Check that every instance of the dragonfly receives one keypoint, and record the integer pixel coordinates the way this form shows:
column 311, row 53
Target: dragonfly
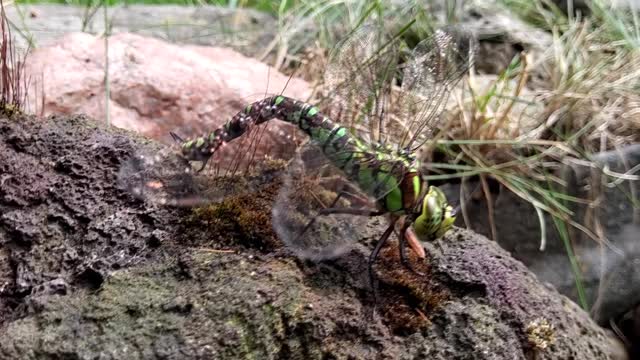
column 386, row 102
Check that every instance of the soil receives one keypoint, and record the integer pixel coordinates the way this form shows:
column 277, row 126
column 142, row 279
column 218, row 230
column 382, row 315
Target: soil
column 89, row 271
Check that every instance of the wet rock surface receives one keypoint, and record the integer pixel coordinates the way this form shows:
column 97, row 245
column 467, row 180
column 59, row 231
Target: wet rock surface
column 88, row 271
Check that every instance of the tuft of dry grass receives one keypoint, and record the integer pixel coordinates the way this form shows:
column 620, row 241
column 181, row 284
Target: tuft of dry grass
column 587, row 104
column 13, row 80
column 584, row 101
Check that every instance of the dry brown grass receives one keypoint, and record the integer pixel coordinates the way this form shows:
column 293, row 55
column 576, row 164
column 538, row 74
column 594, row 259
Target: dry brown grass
column 13, row 80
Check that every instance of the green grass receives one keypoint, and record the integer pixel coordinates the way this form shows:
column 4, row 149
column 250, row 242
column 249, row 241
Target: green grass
column 114, row 2
column 271, row 7
column 123, row 2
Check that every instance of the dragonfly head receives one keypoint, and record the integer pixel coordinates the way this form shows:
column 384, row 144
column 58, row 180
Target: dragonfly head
column 435, row 217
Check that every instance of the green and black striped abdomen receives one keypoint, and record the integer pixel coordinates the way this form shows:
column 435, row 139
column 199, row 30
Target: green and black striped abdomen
column 388, row 177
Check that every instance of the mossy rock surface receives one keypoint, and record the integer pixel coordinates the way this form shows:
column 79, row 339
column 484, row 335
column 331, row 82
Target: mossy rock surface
column 88, row 271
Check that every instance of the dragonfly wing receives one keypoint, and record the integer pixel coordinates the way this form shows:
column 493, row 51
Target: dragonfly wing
column 434, row 68
column 391, row 96
column 310, row 185
column 163, row 177
column 359, row 77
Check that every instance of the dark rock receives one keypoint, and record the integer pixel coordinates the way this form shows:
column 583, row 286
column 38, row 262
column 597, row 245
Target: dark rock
column 112, row 296
column 608, row 271
column 502, row 36
column 574, row 7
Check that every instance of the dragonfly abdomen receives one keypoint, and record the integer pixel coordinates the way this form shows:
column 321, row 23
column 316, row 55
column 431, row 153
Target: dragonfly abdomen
column 305, row 116
column 331, row 137
column 380, row 174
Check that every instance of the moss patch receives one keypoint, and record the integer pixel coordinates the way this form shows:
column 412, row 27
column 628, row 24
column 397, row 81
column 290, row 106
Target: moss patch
column 408, row 299
column 243, row 219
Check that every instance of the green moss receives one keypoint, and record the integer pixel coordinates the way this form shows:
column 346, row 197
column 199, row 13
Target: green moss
column 258, row 339
column 244, row 220
column 128, row 312
column 241, row 218
column 409, row 300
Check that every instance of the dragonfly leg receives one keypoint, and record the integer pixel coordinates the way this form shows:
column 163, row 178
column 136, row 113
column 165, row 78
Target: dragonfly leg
column 177, row 138
column 402, row 240
column 204, row 164
column 372, row 258
column 333, row 210
column 313, row 220
column 347, row 189
column 352, row 211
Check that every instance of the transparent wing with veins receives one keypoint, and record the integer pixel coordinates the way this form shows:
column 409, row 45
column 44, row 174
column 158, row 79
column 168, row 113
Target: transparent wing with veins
column 312, row 185
column 389, row 95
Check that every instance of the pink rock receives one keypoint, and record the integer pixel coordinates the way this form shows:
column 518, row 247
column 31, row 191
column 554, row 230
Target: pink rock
column 157, row 87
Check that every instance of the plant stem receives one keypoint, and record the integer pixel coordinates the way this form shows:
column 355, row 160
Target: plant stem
column 107, row 92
